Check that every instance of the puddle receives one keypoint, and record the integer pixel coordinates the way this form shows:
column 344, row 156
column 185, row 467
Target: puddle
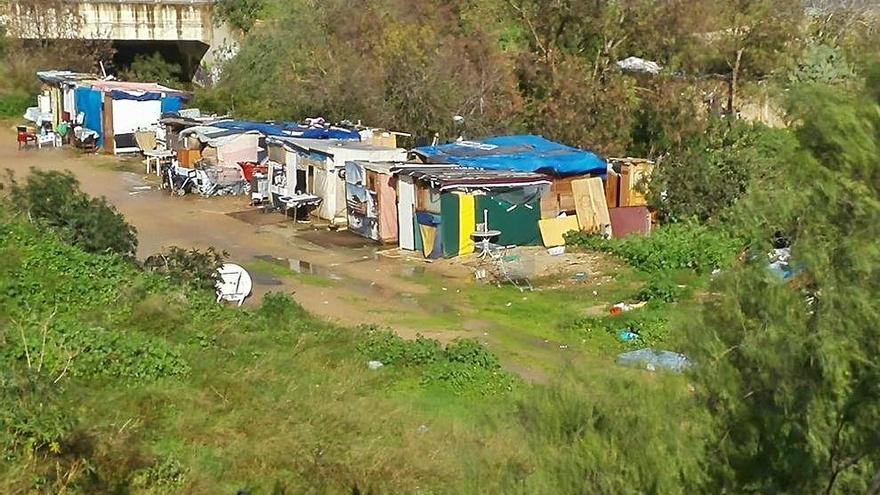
column 260, row 279
column 301, row 266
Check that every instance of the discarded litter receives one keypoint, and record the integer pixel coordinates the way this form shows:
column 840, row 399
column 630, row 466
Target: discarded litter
column 622, row 307
column 374, row 365
column 652, row 360
column 234, row 283
column 556, row 251
column 627, row 335
column 579, row 276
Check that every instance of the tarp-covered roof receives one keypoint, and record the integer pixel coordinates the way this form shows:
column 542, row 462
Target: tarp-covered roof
column 62, row 76
column 327, row 146
column 523, row 153
column 137, row 87
column 291, row 129
column 455, row 177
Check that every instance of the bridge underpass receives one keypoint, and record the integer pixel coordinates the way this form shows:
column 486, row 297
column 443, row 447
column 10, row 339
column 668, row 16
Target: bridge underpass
column 183, row 31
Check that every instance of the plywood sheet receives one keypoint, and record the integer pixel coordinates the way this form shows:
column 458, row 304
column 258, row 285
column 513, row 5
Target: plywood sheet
column 630, row 220
column 552, row 229
column 592, row 210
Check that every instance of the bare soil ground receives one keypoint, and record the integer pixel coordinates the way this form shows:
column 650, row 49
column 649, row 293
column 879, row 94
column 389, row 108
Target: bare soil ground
column 337, row 275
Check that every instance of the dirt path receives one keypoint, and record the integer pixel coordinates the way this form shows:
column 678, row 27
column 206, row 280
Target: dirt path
column 335, row 275
column 230, row 224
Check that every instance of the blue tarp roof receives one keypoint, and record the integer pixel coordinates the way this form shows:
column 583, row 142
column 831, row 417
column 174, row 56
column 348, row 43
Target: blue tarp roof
column 290, row 129
column 281, row 129
column 525, row 153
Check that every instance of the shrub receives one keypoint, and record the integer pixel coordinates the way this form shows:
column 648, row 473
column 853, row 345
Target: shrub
column 651, row 326
column 76, row 348
column 388, row 348
column 167, row 473
column 693, row 246
column 54, row 199
column 710, row 172
column 471, row 353
column 189, row 266
column 661, row 288
column 31, row 419
column 464, row 366
column 14, row 105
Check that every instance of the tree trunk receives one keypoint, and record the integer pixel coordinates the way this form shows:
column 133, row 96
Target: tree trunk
column 874, row 489
column 732, row 83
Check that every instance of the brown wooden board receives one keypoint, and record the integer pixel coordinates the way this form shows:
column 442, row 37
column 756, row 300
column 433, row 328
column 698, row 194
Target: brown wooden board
column 109, row 136
column 612, row 190
column 592, row 211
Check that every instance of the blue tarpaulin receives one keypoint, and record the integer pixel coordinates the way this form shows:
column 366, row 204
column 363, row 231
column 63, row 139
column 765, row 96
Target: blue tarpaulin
column 171, row 104
column 290, row 129
column 331, row 133
column 91, row 103
column 265, row 128
column 524, row 153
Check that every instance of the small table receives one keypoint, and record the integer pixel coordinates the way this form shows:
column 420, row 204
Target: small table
column 159, row 157
column 481, row 238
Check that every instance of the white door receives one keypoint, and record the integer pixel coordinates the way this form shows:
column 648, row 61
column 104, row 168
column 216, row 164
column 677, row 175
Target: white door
column 406, row 210
column 290, row 159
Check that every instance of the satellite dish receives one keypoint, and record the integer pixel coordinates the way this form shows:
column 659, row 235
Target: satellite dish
column 234, row 283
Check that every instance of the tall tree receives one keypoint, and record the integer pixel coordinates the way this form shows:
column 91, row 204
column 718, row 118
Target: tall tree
column 789, row 372
column 751, row 38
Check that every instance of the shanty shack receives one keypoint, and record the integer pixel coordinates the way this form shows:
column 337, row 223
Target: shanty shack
column 312, row 166
column 116, row 110
column 524, row 153
column 439, row 209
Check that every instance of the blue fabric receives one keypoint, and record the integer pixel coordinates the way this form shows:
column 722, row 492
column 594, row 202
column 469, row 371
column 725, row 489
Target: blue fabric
column 124, row 95
column 265, row 128
column 289, row 129
column 171, row 104
column 332, row 133
column 525, row 153
column 91, row 103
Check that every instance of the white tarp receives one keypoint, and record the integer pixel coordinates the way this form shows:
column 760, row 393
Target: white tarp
column 406, row 210
column 131, row 115
column 69, row 101
column 636, row 64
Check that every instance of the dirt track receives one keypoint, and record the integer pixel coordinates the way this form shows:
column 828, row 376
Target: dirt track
column 230, row 224
column 336, row 275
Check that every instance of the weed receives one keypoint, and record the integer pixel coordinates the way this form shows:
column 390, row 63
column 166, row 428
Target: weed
column 190, row 266
column 678, row 246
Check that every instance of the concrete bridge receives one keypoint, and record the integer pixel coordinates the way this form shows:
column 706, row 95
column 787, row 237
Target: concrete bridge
column 189, row 22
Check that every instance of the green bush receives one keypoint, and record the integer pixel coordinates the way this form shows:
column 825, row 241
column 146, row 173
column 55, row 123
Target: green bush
column 661, row 288
column 14, row 105
column 710, row 172
column 652, row 327
column 31, row 419
column 189, row 266
column 465, row 379
column 465, row 366
column 390, row 349
column 54, row 199
column 690, row 245
column 167, row 473
column 65, row 345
